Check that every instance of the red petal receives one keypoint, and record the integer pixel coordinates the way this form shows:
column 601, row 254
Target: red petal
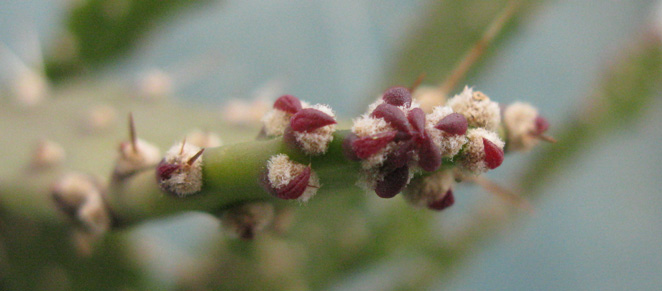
column 288, row 103
column 453, row 123
column 541, row 125
column 393, row 183
column 369, row 145
column 392, row 115
column 416, row 118
column 397, row 96
column 295, row 188
column 309, row 119
column 429, row 155
column 493, row 154
column 165, row 170
column 446, row 201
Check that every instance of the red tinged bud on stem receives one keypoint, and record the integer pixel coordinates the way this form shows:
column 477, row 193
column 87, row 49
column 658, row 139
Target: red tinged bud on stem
column 429, row 155
column 416, row 118
column 446, row 201
column 493, row 154
column 392, row 115
column 454, row 123
column 399, row 157
column 309, row 119
column 367, row 146
column 165, row 170
column 295, row 188
column 541, row 125
column 393, row 183
column 288, row 103
column 397, row 96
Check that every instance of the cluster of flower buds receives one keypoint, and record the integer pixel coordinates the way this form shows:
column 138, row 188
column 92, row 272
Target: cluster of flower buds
column 396, row 139
column 309, row 128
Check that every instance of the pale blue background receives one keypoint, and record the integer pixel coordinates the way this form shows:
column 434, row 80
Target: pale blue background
column 597, row 228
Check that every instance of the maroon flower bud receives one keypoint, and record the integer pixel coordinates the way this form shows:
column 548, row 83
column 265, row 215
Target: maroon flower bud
column 348, row 148
column 398, row 158
column 288, row 103
column 493, row 154
column 541, row 125
column 429, row 155
column 309, row 119
column 365, row 147
column 295, row 188
column 397, row 96
column 416, row 118
column 165, row 170
column 444, row 202
column 393, row 183
column 392, row 115
column 453, row 123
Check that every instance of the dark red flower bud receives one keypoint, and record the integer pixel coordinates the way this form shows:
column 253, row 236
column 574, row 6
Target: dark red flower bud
column 416, row 118
column 444, row 202
column 392, row 115
column 309, row 119
column 295, row 188
column 348, row 149
column 397, row 96
column 493, row 154
column 541, row 125
column 369, row 145
column 429, row 155
column 288, row 103
column 165, row 170
column 393, row 183
column 399, row 157
column 454, row 123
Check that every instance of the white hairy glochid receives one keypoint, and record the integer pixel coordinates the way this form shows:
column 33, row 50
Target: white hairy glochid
column 479, row 110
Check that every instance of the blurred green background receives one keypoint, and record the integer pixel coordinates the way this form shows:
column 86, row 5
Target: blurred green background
column 597, row 203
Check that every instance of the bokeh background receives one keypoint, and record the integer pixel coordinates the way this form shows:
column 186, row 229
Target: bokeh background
column 597, row 218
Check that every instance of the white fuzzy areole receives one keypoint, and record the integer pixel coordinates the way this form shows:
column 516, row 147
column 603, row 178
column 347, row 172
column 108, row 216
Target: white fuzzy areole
column 79, row 195
column 450, row 144
column 317, row 141
column 146, row 155
column 520, row 121
column 473, row 160
column 94, row 215
column 430, row 189
column 275, row 122
column 281, row 171
column 479, row 110
column 187, row 179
